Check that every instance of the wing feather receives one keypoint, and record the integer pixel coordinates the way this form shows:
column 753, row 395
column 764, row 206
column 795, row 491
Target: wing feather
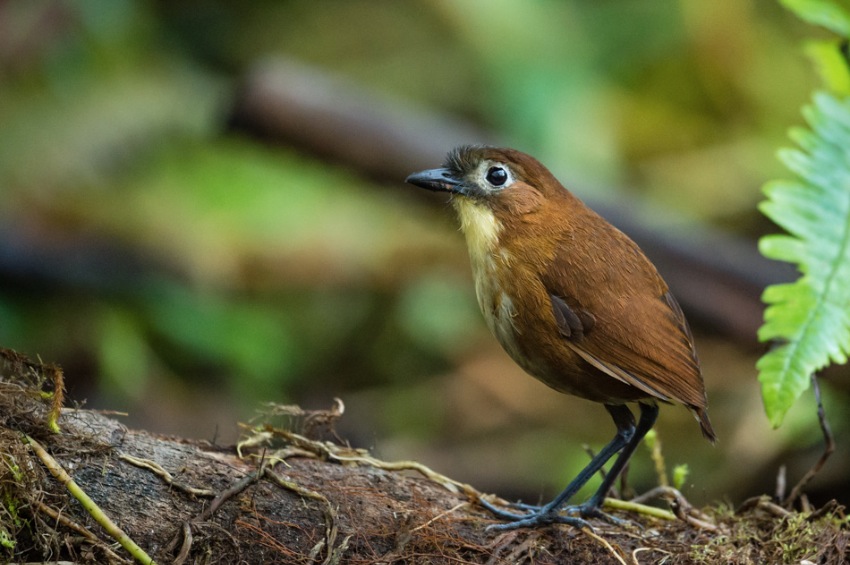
column 639, row 334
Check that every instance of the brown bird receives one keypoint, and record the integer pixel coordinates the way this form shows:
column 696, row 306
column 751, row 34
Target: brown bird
column 574, row 302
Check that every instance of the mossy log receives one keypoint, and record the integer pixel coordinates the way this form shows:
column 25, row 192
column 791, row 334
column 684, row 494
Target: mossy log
column 282, row 497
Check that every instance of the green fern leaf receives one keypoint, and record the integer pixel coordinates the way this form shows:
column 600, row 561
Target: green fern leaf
column 809, row 319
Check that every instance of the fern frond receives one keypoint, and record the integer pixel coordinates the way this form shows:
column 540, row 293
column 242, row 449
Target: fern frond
column 809, row 320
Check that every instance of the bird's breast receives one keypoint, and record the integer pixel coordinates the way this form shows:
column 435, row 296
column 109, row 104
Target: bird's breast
column 513, row 319
column 518, row 312
column 491, row 270
column 499, row 311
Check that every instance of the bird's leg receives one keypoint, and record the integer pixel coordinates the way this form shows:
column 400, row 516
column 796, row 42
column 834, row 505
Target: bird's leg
column 591, row 508
column 550, row 513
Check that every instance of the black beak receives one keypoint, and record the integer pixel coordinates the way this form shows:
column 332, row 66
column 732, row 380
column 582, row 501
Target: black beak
column 438, row 180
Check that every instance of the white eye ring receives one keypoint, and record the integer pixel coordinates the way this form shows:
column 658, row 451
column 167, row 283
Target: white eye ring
column 498, row 175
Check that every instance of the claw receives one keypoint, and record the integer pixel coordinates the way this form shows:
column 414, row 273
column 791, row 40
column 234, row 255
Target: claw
column 590, row 511
column 505, row 515
column 576, row 516
column 539, row 519
column 498, row 512
column 528, row 507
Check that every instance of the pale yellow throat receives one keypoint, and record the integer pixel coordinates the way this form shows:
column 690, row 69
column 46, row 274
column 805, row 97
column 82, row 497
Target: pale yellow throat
column 482, row 229
column 480, row 226
column 482, row 237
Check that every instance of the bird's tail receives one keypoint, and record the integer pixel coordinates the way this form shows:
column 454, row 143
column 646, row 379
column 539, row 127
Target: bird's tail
column 701, row 414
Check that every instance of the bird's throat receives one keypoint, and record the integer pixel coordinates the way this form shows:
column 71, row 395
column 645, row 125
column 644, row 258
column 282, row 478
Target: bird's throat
column 490, row 266
column 480, row 226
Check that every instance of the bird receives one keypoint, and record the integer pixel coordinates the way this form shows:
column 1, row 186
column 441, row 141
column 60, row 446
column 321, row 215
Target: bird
column 575, row 303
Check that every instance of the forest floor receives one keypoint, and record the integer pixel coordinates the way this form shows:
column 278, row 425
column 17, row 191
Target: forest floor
column 289, row 494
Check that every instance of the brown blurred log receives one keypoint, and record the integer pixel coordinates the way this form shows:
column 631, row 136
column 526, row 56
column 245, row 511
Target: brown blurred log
column 377, row 135
column 717, row 277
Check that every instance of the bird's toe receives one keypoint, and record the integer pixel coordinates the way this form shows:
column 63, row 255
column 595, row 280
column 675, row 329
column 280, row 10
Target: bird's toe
column 537, row 519
column 590, row 511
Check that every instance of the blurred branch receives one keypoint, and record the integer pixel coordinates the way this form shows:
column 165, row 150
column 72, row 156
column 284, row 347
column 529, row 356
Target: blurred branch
column 717, row 277
column 377, row 135
column 30, row 259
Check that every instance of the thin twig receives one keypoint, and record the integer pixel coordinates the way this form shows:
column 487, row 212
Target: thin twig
column 763, row 502
column 82, row 530
column 643, row 549
column 828, row 508
column 88, row 504
column 625, row 488
column 589, row 533
column 257, row 437
column 186, row 546
column 680, row 505
column 523, row 551
column 829, row 448
column 349, row 455
column 334, row 553
column 439, row 516
column 158, row 470
column 638, row 508
column 658, row 461
column 223, row 497
column 781, row 482
column 58, row 396
column 230, row 492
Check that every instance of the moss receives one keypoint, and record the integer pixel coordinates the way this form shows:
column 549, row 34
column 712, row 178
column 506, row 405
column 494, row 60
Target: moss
column 763, row 537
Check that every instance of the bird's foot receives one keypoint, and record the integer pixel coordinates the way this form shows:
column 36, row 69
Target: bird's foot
column 588, row 510
column 576, row 516
column 528, row 508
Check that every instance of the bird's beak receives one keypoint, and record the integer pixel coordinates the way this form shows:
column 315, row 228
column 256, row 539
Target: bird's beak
column 438, row 180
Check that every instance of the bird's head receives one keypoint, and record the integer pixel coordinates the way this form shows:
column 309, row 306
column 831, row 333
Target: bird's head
column 490, row 176
column 494, row 189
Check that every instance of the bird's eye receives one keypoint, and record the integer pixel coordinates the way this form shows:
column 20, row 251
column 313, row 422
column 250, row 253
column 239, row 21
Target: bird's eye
column 497, row 176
